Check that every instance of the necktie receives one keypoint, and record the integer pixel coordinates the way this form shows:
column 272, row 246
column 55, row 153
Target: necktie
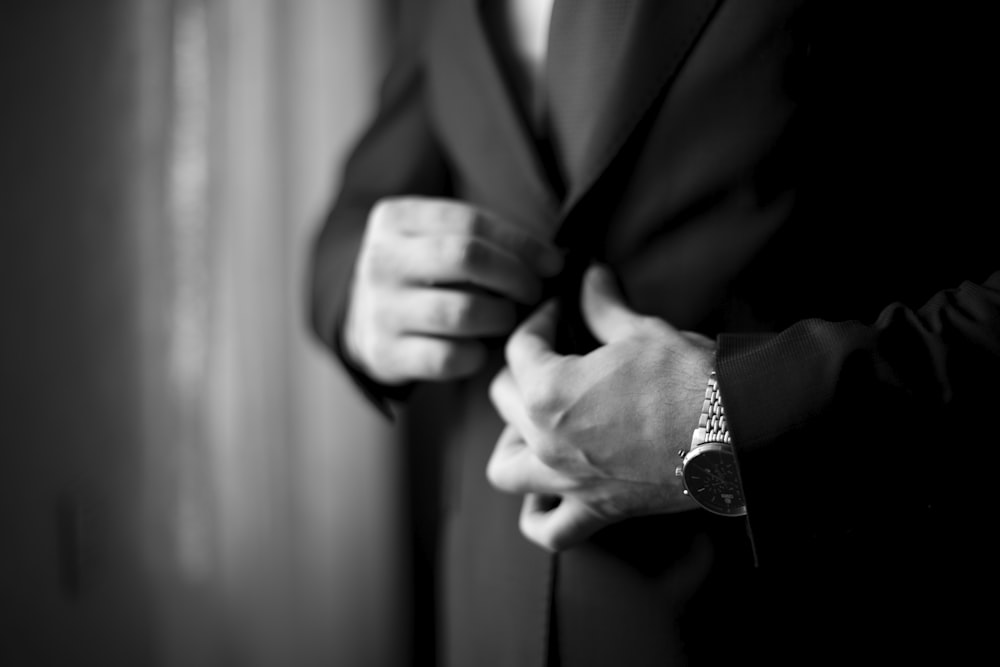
column 586, row 41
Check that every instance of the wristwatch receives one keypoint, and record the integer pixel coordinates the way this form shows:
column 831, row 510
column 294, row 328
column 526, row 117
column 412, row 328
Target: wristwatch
column 709, row 468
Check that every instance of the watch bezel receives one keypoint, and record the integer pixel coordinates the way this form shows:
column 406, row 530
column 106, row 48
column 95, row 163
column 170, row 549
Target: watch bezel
column 712, row 447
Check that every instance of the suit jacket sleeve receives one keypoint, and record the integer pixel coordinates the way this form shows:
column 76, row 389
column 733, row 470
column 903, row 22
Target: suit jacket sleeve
column 397, row 155
column 869, row 426
column 850, row 430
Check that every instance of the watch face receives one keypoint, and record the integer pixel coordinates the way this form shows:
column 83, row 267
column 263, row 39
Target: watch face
column 711, row 478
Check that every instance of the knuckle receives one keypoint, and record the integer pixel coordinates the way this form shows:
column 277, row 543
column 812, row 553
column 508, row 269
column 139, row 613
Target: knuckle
column 649, row 325
column 384, row 214
column 543, row 400
column 389, row 214
column 549, row 454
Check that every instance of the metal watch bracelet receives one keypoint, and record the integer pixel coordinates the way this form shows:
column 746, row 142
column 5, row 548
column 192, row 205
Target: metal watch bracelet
column 712, row 425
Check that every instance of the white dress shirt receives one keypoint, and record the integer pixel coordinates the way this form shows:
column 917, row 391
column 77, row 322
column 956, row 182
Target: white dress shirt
column 527, row 28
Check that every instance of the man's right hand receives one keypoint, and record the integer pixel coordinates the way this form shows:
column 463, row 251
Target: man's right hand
column 433, row 278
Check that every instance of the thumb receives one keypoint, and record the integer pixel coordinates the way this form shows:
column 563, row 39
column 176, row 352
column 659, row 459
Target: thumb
column 603, row 306
column 530, row 344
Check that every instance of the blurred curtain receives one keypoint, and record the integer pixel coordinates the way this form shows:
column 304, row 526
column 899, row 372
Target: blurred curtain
column 280, row 495
column 188, row 479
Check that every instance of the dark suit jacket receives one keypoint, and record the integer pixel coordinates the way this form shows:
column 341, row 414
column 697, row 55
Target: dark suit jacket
column 798, row 180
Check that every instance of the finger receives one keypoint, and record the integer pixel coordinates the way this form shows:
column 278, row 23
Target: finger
column 509, row 403
column 514, row 468
column 438, row 359
column 556, row 526
column 604, row 308
column 433, row 216
column 530, row 345
column 453, row 313
column 457, row 259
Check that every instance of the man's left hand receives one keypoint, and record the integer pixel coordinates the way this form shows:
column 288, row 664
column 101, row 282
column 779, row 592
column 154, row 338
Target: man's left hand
column 594, row 439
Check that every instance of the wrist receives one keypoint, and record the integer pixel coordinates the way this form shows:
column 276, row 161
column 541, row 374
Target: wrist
column 708, row 468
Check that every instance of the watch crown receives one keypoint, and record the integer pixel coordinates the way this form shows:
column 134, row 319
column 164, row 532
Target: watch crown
column 679, row 471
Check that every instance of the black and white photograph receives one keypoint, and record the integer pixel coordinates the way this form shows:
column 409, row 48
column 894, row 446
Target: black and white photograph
column 498, row 333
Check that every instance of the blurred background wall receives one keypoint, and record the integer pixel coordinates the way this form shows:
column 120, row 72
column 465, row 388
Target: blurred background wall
column 186, row 478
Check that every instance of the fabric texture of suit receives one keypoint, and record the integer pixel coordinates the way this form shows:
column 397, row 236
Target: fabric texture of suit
column 794, row 179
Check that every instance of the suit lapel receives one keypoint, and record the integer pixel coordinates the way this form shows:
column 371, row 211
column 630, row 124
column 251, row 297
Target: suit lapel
column 486, row 73
column 660, row 36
